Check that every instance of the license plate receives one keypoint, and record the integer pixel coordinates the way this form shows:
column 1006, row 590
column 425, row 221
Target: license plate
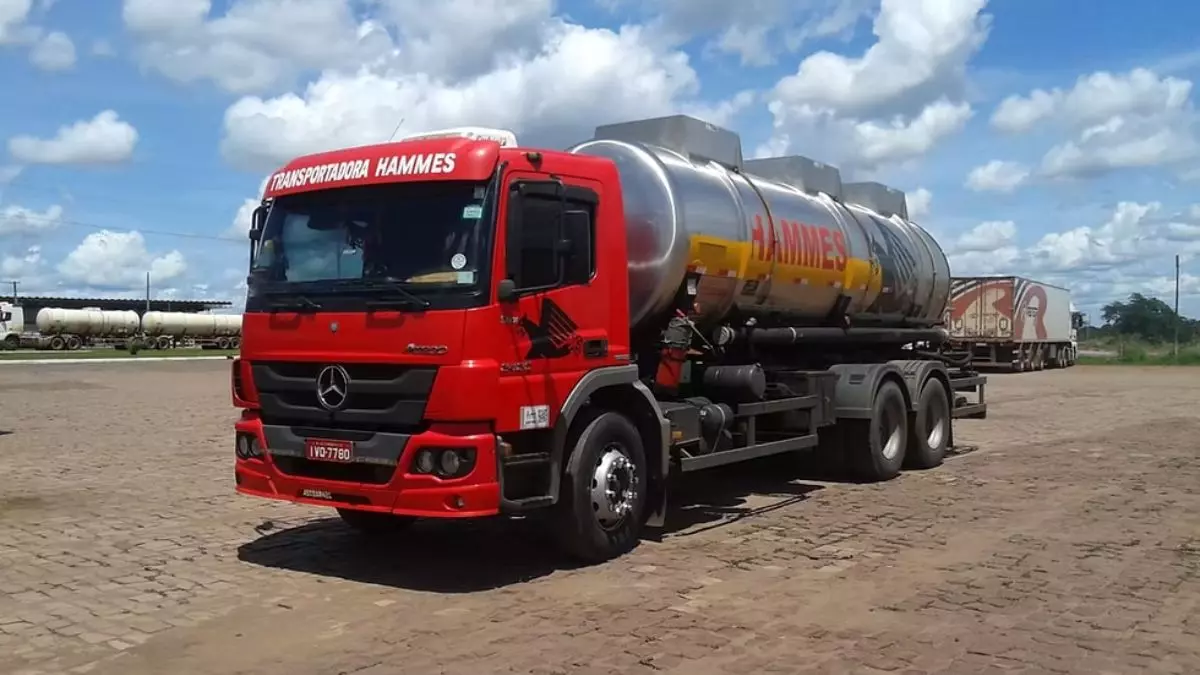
column 329, row 450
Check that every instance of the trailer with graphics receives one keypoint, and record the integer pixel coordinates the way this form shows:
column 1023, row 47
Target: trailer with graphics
column 1013, row 321
column 454, row 326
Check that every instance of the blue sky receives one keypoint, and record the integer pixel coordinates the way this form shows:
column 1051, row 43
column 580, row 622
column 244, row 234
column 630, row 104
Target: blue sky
column 1096, row 190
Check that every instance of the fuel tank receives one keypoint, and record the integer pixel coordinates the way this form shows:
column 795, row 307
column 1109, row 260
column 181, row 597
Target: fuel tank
column 782, row 239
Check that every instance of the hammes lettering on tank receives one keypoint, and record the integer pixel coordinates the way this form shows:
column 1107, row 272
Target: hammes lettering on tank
column 812, row 246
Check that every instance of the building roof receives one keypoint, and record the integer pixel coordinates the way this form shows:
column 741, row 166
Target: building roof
column 122, row 303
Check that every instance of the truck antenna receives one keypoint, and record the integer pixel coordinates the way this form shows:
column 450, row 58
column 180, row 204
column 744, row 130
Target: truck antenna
column 398, row 125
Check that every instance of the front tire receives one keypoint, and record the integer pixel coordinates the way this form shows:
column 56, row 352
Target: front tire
column 601, row 506
column 373, row 524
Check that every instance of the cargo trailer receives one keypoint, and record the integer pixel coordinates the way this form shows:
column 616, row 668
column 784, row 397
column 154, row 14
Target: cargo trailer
column 1012, row 321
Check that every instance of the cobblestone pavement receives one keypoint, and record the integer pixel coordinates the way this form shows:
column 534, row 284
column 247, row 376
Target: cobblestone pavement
column 1069, row 541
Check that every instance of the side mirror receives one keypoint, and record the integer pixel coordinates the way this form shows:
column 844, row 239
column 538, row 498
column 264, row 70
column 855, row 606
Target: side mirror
column 506, row 291
column 257, row 221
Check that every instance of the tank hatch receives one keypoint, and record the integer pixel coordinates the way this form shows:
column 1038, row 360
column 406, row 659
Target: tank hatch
column 686, row 135
column 884, row 200
column 802, row 173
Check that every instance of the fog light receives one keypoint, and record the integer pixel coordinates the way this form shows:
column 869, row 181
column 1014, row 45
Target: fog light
column 247, row 447
column 424, row 463
column 450, row 463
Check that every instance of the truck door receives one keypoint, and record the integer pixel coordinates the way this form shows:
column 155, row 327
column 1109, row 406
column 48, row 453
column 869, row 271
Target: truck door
column 560, row 320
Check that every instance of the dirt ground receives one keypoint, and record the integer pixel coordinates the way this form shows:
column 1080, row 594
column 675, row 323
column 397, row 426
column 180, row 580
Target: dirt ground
column 1068, row 541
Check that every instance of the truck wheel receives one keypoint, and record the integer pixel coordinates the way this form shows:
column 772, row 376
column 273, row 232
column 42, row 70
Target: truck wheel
column 57, row 343
column 11, row 342
column 74, row 343
column 603, row 492
column 372, row 523
column 930, row 428
column 877, row 446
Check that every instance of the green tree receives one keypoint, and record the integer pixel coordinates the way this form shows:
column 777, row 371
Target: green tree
column 1150, row 319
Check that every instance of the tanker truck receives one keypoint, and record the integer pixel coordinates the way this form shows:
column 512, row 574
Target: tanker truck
column 61, row 329
column 454, row 326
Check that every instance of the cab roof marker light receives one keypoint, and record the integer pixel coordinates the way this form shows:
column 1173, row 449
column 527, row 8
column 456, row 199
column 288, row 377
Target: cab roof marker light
column 506, row 138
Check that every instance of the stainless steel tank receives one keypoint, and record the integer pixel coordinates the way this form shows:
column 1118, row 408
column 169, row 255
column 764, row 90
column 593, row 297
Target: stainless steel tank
column 790, row 244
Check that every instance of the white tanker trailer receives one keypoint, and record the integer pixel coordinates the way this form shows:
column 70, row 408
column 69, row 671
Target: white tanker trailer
column 161, row 330
column 61, row 329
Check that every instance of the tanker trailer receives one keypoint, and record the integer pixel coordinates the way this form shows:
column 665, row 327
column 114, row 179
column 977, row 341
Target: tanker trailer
column 780, row 242
column 70, row 329
column 207, row 331
column 663, row 306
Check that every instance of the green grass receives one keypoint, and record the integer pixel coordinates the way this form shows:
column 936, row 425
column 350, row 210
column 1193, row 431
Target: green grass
column 30, row 355
column 1137, row 353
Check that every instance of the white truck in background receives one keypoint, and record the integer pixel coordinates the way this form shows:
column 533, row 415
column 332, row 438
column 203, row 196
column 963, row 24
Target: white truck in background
column 1013, row 321
column 60, row 329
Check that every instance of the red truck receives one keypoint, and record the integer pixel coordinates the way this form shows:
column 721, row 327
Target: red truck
column 453, row 326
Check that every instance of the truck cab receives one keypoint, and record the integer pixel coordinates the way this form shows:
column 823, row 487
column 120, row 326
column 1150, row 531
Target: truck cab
column 12, row 325
column 418, row 312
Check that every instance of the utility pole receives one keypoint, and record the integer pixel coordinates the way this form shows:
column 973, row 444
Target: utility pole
column 1176, row 307
column 14, row 283
column 147, row 291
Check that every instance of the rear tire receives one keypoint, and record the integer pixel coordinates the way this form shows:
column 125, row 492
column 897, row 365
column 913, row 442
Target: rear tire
column 373, row 524
column 930, row 431
column 601, row 505
column 877, row 446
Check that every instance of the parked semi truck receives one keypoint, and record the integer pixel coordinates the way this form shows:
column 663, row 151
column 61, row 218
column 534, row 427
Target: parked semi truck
column 453, row 326
column 70, row 329
column 1013, row 321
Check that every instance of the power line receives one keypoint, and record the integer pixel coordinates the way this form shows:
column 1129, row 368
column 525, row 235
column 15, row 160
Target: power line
column 34, row 217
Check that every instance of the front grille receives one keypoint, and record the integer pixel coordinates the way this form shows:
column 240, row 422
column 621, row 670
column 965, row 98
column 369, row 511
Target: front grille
column 372, row 474
column 379, row 396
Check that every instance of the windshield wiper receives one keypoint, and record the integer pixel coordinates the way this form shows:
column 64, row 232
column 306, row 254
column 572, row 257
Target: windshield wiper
column 295, row 302
column 402, row 295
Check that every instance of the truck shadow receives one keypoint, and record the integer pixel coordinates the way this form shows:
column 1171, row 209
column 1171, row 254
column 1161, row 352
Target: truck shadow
column 479, row 555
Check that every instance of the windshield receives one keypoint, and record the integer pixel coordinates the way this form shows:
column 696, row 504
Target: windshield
column 429, row 239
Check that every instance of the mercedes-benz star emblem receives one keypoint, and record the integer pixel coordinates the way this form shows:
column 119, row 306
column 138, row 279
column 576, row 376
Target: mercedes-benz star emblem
column 333, row 386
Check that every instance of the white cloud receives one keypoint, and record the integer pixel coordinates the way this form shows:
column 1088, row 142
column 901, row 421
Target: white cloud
column 24, row 266
column 1120, row 240
column 997, row 176
column 13, row 14
column 895, row 102
column 257, row 45
column 54, row 52
column 104, row 139
column 1118, row 121
column 987, row 236
column 240, row 227
column 1094, row 99
column 107, row 259
column 921, row 43
column 755, row 32
column 899, row 139
column 20, row 221
column 919, row 202
column 988, row 248
column 9, row 173
column 577, row 78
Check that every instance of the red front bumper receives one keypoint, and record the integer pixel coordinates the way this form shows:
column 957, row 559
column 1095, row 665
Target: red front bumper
column 474, row 495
